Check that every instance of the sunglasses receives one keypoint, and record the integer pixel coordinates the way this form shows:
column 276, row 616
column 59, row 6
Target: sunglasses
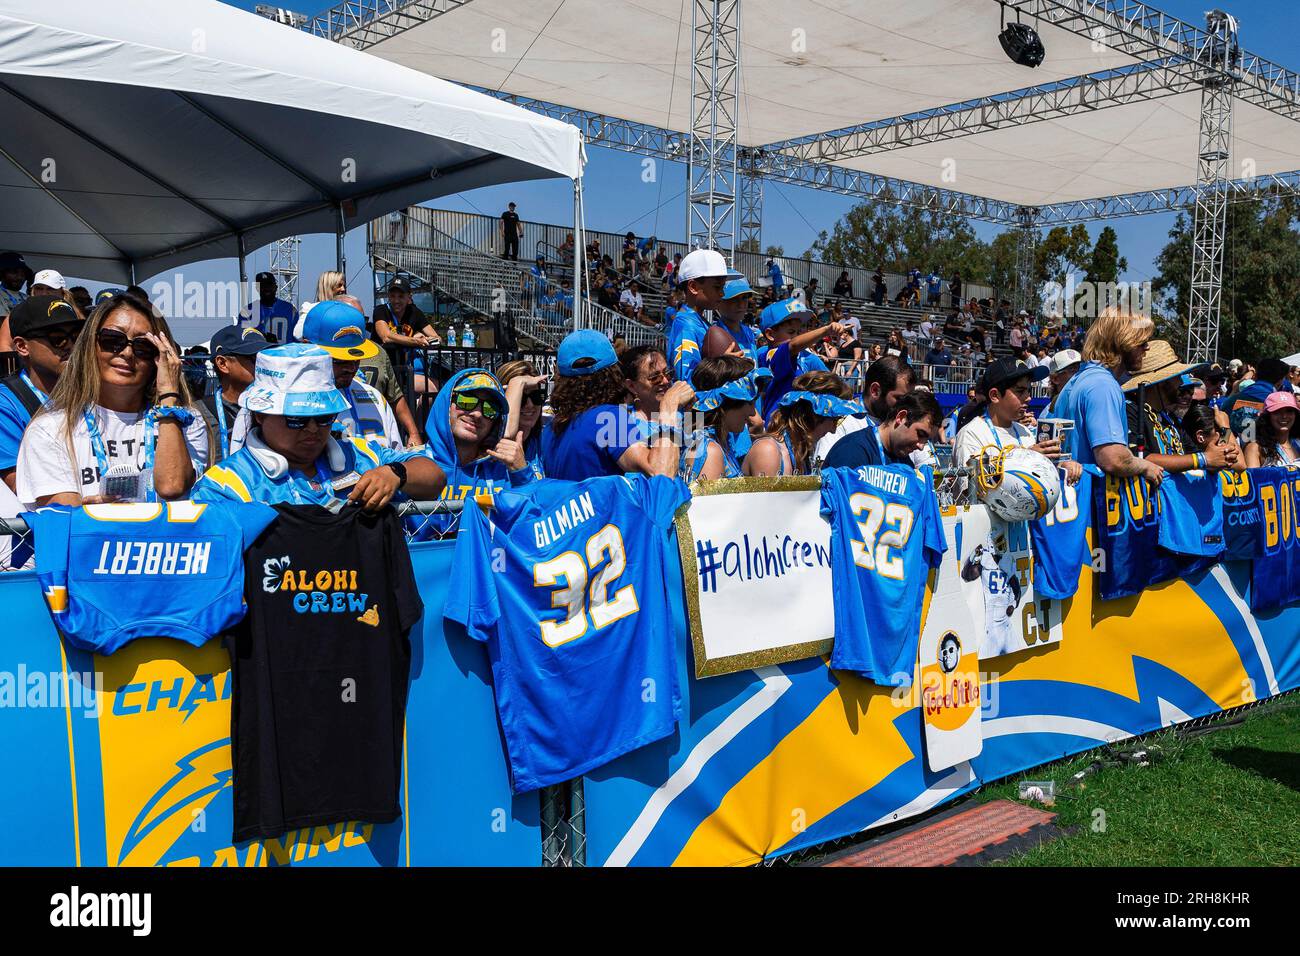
column 300, row 421
column 57, row 339
column 469, row 403
column 536, row 397
column 115, row 342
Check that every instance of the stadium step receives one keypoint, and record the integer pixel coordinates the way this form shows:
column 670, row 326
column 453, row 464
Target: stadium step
column 970, row 835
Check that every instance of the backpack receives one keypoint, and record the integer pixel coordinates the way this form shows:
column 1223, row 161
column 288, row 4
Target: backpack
column 24, row 393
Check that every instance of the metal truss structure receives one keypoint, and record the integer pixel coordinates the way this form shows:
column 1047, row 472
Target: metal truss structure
column 711, row 151
column 284, row 266
column 750, row 225
column 1210, row 220
column 363, row 23
column 1026, row 246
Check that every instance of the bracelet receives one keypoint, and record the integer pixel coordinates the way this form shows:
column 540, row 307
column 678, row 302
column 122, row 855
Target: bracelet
column 1200, row 459
column 182, row 416
column 175, row 395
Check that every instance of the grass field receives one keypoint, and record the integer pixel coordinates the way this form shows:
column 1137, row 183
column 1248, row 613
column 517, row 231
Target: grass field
column 1230, row 797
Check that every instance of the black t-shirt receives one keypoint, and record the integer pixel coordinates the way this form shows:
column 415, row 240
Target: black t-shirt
column 320, row 668
column 510, row 223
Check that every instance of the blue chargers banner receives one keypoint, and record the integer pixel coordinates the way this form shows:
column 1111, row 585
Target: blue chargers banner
column 124, row 760
column 1276, row 578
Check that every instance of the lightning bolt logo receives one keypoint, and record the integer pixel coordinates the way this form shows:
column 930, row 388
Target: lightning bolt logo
column 189, row 785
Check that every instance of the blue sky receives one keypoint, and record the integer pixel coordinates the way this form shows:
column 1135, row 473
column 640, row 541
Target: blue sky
column 618, row 200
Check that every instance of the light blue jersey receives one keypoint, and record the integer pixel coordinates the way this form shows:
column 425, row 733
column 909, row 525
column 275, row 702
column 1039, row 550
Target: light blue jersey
column 566, row 587
column 1191, row 514
column 255, row 473
column 113, row 573
column 1093, row 400
column 685, row 341
column 1060, row 540
column 276, row 319
column 886, row 534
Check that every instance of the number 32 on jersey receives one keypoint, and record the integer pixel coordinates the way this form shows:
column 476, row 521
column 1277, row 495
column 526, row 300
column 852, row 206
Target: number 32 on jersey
column 885, row 529
column 602, row 563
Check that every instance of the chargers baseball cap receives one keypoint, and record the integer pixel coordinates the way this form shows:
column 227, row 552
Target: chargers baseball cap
column 736, row 287
column 584, row 352
column 236, row 340
column 296, row 380
column 778, row 312
column 340, row 330
column 40, row 312
column 1063, row 360
column 702, row 264
column 399, row 284
column 1006, row 370
column 104, row 295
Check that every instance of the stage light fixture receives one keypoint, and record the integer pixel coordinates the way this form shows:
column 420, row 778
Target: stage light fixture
column 1020, row 41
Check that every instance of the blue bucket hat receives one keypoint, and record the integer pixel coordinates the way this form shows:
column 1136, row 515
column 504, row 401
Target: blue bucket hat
column 823, row 405
column 778, row 312
column 584, row 344
column 743, row 389
column 339, row 329
column 296, row 380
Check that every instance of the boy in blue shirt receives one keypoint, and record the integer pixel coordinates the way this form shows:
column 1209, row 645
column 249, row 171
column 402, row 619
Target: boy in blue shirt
column 701, row 277
column 785, row 350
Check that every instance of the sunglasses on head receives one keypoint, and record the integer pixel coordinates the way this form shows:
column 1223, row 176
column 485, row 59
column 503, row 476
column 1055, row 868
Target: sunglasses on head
column 468, row 403
column 300, row 421
column 114, row 342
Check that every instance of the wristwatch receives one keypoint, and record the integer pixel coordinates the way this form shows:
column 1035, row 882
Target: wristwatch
column 400, row 471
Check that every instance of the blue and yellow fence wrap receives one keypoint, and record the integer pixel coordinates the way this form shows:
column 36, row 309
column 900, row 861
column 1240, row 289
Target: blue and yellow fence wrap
column 763, row 762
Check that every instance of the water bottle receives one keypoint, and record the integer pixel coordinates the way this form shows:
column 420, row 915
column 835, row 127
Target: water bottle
column 451, row 335
column 468, row 340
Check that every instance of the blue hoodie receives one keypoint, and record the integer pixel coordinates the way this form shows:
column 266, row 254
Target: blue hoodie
column 484, row 475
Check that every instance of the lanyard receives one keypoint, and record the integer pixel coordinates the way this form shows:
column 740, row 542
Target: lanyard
column 32, row 385
column 223, row 431
column 993, row 430
column 149, row 439
column 794, row 462
column 880, row 445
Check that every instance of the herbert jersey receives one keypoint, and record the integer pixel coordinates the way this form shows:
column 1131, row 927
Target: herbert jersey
column 584, row 670
column 112, row 573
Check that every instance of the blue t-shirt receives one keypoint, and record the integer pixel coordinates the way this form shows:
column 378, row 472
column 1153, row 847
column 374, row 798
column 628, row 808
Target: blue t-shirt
column 746, row 339
column 1093, row 400
column 1191, row 514
column 592, row 444
column 685, row 340
column 886, row 534
column 774, row 273
column 13, row 422
column 1060, row 540
column 933, row 283
column 276, row 319
column 566, row 586
column 180, row 562
column 784, row 371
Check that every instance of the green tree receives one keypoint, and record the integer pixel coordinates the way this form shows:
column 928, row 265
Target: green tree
column 1261, row 281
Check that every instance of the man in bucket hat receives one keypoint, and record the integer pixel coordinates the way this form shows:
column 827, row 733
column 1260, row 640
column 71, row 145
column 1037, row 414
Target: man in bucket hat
column 1156, row 397
column 290, row 455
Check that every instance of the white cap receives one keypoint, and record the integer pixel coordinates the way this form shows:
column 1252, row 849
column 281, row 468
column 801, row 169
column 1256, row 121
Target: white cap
column 50, row 278
column 1063, row 360
column 702, row 264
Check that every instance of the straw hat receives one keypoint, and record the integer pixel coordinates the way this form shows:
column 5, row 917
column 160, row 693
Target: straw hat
column 1159, row 364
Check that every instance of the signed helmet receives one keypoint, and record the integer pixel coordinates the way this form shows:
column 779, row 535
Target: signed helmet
column 1017, row 483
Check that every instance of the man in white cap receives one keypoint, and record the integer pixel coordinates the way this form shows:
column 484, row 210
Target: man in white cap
column 290, row 456
column 701, row 278
column 1060, row 370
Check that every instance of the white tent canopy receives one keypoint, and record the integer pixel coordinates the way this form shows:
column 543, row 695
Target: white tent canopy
column 154, row 135
column 813, row 67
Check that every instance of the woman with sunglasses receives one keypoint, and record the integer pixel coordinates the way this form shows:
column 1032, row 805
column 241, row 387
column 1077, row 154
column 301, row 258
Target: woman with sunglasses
column 1275, row 444
column 290, row 455
column 726, row 388
column 468, row 437
column 810, row 410
column 119, row 422
column 526, row 397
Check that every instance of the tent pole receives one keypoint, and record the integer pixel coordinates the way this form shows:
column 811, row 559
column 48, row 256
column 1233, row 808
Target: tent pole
column 339, row 253
column 579, row 255
column 243, row 265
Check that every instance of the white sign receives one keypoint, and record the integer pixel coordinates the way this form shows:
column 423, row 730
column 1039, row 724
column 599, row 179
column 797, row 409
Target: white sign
column 947, row 687
column 757, row 570
column 999, row 552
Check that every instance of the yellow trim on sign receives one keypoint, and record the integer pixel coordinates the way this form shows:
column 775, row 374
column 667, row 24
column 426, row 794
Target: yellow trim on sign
column 72, row 754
